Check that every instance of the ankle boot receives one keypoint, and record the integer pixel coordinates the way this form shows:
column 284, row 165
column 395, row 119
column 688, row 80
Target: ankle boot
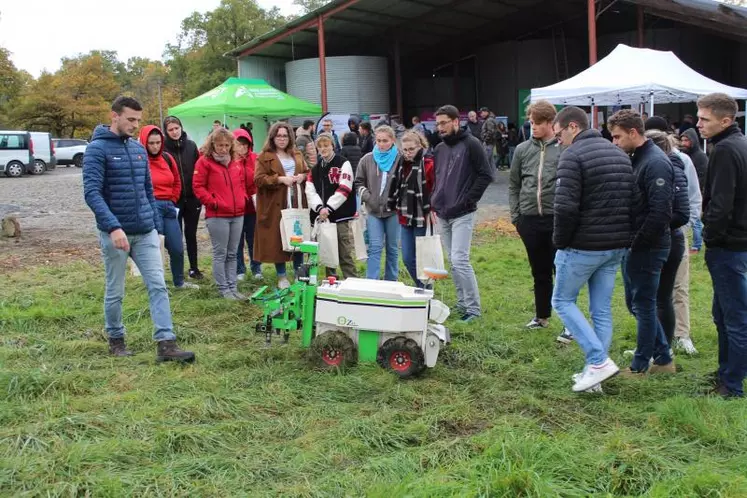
column 117, row 347
column 169, row 351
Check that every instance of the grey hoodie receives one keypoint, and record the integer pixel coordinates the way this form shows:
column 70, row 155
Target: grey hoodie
column 368, row 179
column 699, row 158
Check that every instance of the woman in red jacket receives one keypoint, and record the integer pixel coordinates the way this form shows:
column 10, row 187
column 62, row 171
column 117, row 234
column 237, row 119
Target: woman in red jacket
column 410, row 196
column 167, row 188
column 244, row 155
column 220, row 185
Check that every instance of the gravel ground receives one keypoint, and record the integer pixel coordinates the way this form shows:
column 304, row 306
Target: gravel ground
column 56, row 224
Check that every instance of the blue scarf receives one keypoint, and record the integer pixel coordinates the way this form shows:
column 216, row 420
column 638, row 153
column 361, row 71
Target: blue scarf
column 385, row 160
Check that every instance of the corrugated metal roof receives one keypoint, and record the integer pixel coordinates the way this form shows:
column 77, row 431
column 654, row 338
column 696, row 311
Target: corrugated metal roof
column 369, row 26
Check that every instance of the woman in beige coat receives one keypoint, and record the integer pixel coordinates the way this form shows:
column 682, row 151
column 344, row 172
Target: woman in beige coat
column 279, row 167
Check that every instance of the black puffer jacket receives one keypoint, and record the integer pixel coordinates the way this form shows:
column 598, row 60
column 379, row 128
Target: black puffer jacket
column 725, row 202
column 681, row 206
column 654, row 178
column 595, row 193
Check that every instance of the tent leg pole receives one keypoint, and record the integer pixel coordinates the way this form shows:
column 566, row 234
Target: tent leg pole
column 322, row 64
column 651, row 108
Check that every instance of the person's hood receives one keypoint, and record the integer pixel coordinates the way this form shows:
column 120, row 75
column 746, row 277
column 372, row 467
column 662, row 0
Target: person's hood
column 104, row 132
column 145, row 132
column 692, row 135
column 457, row 137
column 242, row 133
column 354, row 119
column 183, row 138
column 300, row 131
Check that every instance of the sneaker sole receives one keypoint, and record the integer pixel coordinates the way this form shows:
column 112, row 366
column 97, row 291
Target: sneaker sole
column 575, row 390
column 563, row 340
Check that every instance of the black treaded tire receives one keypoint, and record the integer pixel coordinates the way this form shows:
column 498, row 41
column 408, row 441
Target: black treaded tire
column 333, row 350
column 402, row 356
column 78, row 160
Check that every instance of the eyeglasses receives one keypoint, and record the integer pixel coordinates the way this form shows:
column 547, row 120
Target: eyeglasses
column 281, row 136
column 558, row 134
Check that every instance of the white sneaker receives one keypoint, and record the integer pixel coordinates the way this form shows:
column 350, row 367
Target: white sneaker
column 685, row 344
column 629, row 352
column 536, row 324
column 283, row 283
column 258, row 276
column 596, row 388
column 188, row 285
column 240, row 277
column 595, row 374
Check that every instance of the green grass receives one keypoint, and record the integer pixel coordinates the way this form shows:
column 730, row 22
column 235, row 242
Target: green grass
column 495, row 417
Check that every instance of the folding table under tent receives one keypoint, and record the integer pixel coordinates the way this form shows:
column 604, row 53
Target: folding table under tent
column 237, row 101
column 634, row 76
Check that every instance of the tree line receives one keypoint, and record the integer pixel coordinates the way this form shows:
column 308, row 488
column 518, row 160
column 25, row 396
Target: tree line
column 71, row 101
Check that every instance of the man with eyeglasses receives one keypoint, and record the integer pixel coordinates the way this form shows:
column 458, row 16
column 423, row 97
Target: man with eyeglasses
column 463, row 172
column 329, row 127
column 593, row 206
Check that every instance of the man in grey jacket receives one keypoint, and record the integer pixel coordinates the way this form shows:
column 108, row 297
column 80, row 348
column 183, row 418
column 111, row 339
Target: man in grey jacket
column 463, row 172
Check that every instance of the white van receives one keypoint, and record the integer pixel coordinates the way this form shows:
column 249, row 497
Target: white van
column 16, row 153
column 44, row 155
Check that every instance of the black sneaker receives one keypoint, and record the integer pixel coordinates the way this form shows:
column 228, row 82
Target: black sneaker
column 196, row 274
column 565, row 337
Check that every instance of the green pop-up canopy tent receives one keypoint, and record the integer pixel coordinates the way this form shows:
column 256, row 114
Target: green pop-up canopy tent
column 237, row 101
column 244, row 97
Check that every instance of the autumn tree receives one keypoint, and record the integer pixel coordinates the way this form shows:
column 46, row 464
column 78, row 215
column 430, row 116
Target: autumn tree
column 310, row 5
column 12, row 82
column 197, row 59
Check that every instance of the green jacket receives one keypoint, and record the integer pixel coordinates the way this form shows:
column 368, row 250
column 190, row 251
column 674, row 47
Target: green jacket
column 531, row 186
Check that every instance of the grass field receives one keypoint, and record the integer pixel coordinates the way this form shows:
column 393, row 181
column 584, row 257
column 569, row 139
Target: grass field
column 496, row 417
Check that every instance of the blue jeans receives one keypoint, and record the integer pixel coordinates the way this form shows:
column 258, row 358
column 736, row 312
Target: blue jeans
column 697, row 235
column 574, row 269
column 641, row 273
column 145, row 250
column 297, row 262
column 382, row 232
column 408, row 251
column 729, row 275
column 456, row 236
column 173, row 240
column 250, row 223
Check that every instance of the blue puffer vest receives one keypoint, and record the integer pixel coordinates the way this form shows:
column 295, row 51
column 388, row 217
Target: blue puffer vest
column 117, row 184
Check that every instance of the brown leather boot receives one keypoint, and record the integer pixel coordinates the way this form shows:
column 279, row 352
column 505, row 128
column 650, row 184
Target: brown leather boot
column 117, row 347
column 169, row 351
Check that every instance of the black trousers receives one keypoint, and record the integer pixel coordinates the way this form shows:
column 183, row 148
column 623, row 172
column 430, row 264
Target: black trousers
column 189, row 217
column 536, row 233
column 664, row 303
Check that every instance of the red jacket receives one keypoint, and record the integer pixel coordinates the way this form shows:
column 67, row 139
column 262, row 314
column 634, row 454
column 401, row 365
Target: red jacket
column 221, row 189
column 167, row 184
column 247, row 164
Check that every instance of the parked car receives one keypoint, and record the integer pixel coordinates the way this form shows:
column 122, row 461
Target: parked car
column 16, row 153
column 70, row 151
column 44, row 153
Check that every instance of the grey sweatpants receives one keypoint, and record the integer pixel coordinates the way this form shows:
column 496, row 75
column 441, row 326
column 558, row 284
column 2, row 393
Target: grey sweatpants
column 225, row 234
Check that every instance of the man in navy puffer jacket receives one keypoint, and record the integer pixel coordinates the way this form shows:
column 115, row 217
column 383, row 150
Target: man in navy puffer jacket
column 118, row 189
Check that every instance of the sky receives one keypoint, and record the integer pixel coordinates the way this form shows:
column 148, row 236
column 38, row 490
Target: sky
column 38, row 33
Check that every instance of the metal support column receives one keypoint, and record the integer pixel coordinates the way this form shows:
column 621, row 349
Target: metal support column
column 398, row 82
column 322, row 63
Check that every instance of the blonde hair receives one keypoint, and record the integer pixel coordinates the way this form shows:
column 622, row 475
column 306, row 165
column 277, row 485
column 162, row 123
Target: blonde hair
column 414, row 136
column 386, row 129
column 660, row 139
column 208, row 147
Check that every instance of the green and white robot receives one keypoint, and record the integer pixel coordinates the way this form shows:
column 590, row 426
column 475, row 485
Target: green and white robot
column 341, row 323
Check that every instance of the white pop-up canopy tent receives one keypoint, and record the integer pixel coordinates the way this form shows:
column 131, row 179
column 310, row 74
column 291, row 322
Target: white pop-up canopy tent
column 633, row 76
